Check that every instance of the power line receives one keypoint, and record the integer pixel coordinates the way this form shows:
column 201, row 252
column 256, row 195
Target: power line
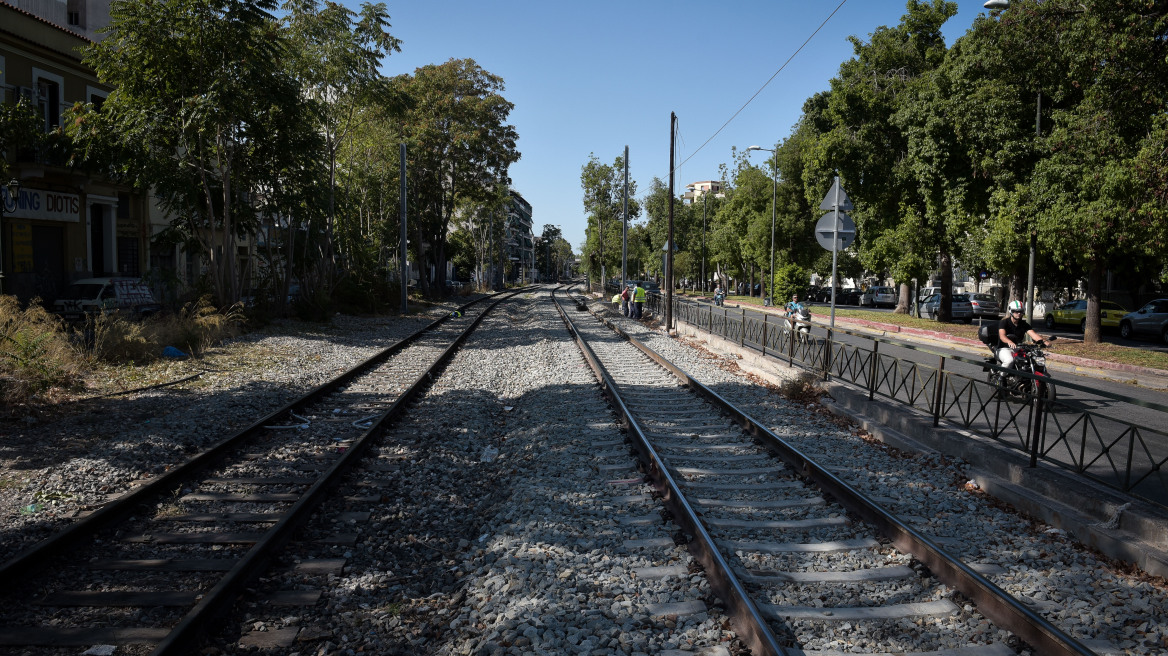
column 764, row 86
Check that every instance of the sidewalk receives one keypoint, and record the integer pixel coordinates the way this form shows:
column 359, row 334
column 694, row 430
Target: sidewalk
column 1156, row 379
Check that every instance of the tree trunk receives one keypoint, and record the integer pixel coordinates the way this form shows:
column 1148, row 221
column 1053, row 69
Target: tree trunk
column 945, row 311
column 904, row 303
column 1092, row 332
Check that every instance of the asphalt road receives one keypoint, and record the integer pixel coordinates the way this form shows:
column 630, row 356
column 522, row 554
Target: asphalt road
column 1090, row 396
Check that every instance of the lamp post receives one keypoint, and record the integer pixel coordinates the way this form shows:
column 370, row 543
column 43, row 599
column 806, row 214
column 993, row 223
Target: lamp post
column 13, row 193
column 692, row 189
column 774, row 198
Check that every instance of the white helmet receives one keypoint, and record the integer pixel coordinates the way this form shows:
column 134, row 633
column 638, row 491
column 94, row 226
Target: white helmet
column 1015, row 306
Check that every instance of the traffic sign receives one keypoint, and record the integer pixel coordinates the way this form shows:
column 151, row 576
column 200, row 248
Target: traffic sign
column 836, row 224
column 829, row 200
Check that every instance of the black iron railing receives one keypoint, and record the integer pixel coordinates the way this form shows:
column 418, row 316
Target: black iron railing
column 1131, row 457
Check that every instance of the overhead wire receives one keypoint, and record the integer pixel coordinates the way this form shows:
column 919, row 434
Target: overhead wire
column 764, row 86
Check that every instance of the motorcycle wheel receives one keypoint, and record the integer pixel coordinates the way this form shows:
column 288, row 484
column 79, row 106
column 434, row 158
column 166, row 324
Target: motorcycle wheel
column 1047, row 392
column 995, row 383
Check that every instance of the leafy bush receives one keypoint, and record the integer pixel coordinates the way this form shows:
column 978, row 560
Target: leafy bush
column 34, row 354
column 789, row 279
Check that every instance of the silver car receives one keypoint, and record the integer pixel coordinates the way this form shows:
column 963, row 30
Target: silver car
column 878, row 296
column 1152, row 319
column 961, row 308
column 984, row 305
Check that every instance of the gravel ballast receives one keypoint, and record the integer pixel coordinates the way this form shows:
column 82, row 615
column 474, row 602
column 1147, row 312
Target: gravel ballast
column 505, row 527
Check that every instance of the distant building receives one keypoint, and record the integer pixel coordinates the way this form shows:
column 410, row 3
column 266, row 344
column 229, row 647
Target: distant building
column 518, row 237
column 694, row 190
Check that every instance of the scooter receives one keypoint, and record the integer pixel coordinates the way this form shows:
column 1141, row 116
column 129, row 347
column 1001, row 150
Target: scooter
column 719, row 298
column 1028, row 358
column 803, row 323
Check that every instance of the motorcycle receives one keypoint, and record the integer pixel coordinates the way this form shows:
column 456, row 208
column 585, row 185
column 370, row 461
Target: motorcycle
column 802, row 323
column 719, row 298
column 1028, row 358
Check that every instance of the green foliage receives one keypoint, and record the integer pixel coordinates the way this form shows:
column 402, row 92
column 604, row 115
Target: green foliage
column 460, row 147
column 790, row 278
column 603, row 187
column 355, row 295
column 202, row 113
column 20, row 128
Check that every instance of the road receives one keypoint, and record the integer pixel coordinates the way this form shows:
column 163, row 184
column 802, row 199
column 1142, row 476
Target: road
column 1112, row 420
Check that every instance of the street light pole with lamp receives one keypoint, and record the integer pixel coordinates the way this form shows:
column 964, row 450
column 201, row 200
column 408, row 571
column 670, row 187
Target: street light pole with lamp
column 774, row 204
column 12, row 190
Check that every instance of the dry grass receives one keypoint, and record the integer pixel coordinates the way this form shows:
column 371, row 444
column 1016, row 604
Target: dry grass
column 35, row 356
column 42, row 361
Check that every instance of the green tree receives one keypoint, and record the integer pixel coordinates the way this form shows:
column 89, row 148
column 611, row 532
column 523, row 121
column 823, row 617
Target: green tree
column 460, row 147
column 336, row 54
column 860, row 129
column 603, row 187
column 202, row 112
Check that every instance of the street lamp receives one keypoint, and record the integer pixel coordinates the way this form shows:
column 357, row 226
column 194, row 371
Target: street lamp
column 774, row 203
column 13, row 189
column 692, row 189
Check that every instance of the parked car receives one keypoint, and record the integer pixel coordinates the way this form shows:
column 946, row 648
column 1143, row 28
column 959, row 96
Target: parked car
column 961, row 308
column 849, row 296
column 92, row 296
column 823, row 295
column 984, row 306
column 926, row 292
column 879, row 296
column 1152, row 319
column 1075, row 314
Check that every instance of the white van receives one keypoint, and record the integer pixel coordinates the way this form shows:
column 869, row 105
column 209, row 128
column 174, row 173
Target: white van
column 90, row 296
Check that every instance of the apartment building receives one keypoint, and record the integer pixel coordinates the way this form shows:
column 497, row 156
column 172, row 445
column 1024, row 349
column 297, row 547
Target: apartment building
column 67, row 223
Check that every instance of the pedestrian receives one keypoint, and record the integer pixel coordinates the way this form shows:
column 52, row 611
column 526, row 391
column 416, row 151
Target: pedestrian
column 616, row 301
column 639, row 301
column 626, row 299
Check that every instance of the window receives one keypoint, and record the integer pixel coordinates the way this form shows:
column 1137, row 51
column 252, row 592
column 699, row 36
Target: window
column 48, row 102
column 74, row 18
column 128, row 256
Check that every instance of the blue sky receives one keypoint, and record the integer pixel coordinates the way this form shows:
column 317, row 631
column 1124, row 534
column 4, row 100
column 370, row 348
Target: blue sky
column 593, row 77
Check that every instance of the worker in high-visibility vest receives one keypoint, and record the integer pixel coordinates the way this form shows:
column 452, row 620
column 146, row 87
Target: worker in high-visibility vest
column 639, row 300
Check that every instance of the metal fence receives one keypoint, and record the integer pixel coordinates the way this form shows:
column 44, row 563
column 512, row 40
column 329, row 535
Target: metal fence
column 1127, row 456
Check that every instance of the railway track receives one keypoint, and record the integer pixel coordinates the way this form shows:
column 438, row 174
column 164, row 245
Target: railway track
column 152, row 568
column 789, row 547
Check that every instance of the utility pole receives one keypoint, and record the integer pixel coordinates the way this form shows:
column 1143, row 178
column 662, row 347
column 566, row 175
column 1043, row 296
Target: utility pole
column 625, row 228
column 405, row 272
column 669, row 242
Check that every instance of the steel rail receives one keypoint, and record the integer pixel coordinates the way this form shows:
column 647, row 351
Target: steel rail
column 219, row 598
column 37, row 557
column 995, row 603
column 749, row 623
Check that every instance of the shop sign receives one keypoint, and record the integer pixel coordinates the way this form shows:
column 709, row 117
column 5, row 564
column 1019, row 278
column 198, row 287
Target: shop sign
column 48, row 206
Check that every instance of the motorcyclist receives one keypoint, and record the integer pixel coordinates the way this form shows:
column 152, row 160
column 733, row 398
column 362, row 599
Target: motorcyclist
column 1013, row 330
column 719, row 294
column 793, row 309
